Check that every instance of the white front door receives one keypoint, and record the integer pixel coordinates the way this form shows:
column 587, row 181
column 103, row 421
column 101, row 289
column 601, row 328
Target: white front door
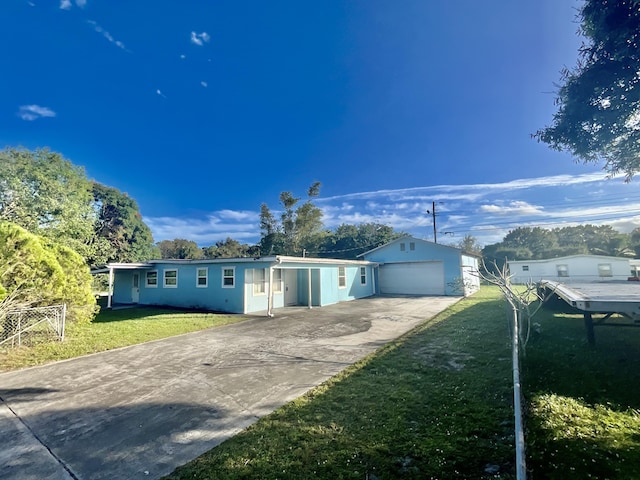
column 290, row 287
column 135, row 288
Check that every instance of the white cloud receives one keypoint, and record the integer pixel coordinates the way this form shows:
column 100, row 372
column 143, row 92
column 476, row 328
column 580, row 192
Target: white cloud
column 98, row 28
column 513, row 208
column 204, row 84
column 34, row 112
column 81, row 3
column 183, row 56
column 159, row 92
column 65, row 4
column 200, row 38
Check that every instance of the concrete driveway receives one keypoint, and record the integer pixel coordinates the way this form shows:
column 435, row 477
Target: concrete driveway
column 141, row 411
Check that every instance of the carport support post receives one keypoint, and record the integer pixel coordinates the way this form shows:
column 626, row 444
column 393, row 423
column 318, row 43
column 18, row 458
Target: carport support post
column 110, row 292
column 270, row 295
column 309, row 274
column 588, row 323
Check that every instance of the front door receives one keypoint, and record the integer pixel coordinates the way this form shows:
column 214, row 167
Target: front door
column 290, row 287
column 135, row 288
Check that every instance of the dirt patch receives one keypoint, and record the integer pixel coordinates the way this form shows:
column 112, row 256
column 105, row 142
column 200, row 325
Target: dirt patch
column 442, row 355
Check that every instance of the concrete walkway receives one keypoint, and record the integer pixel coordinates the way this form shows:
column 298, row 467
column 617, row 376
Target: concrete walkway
column 141, row 411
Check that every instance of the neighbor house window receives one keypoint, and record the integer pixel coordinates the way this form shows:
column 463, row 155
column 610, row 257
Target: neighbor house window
column 402, row 247
column 151, row 279
column 604, row 270
column 259, row 281
column 277, row 281
column 202, row 277
column 412, row 246
column 171, row 278
column 228, row 277
column 563, row 270
column 525, row 268
column 342, row 277
column 363, row 275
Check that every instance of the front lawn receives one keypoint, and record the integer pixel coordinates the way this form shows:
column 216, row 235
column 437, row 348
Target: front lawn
column 435, row 404
column 113, row 329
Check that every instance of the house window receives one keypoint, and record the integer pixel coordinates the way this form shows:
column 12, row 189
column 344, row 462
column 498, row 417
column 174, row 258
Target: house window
column 525, row 268
column 412, row 246
column 229, row 277
column 170, row 278
column 563, row 270
column 277, row 281
column 202, row 277
column 342, row 277
column 151, row 279
column 604, row 270
column 259, row 281
column 363, row 275
column 402, row 247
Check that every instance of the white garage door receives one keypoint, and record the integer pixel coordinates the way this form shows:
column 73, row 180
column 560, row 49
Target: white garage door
column 421, row 278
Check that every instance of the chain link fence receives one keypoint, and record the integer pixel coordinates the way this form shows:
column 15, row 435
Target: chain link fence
column 30, row 326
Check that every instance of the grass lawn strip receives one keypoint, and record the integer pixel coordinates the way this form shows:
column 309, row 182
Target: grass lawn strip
column 113, row 329
column 584, row 419
column 435, row 404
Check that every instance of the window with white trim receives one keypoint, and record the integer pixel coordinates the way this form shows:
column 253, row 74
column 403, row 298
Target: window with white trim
column 170, row 278
column 151, row 279
column 259, row 281
column 229, row 277
column 277, row 280
column 363, row 275
column 563, row 270
column 342, row 277
column 412, row 246
column 525, row 268
column 403, row 247
column 202, row 277
column 604, row 270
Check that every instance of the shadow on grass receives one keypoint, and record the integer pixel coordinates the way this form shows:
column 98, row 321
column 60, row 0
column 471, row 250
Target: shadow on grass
column 144, row 311
column 583, row 420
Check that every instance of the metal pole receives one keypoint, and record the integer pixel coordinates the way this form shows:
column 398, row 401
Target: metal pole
column 521, row 468
column 435, row 237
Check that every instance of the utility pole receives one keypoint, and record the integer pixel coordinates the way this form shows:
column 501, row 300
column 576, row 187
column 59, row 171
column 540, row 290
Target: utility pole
column 433, row 212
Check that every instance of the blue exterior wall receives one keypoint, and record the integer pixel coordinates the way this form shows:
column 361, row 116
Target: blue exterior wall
column 423, row 251
column 242, row 297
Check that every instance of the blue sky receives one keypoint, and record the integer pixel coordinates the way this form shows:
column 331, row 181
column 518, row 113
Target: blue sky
column 202, row 110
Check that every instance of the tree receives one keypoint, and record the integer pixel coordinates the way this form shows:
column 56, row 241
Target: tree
column 349, row 241
column 120, row 225
column 41, row 272
column 49, row 196
column 470, row 244
column 598, row 115
column 299, row 228
column 180, row 249
column 230, row 248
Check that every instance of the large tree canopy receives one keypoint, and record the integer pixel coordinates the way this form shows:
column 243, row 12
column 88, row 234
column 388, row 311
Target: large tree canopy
column 47, row 195
column 120, row 225
column 598, row 117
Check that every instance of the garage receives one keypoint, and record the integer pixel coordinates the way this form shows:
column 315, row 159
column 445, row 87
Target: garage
column 412, row 278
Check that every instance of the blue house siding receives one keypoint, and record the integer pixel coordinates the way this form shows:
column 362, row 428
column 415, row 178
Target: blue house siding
column 410, row 250
column 204, row 285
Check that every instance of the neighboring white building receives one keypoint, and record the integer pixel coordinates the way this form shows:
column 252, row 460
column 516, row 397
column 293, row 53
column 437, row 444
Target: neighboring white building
column 572, row 269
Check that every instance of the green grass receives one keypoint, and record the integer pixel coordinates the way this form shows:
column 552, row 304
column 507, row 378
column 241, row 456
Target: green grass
column 583, row 420
column 435, row 404
column 112, row 329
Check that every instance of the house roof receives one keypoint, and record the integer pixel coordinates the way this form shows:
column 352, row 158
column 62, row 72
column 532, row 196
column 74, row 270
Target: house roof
column 413, row 239
column 275, row 259
column 579, row 255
